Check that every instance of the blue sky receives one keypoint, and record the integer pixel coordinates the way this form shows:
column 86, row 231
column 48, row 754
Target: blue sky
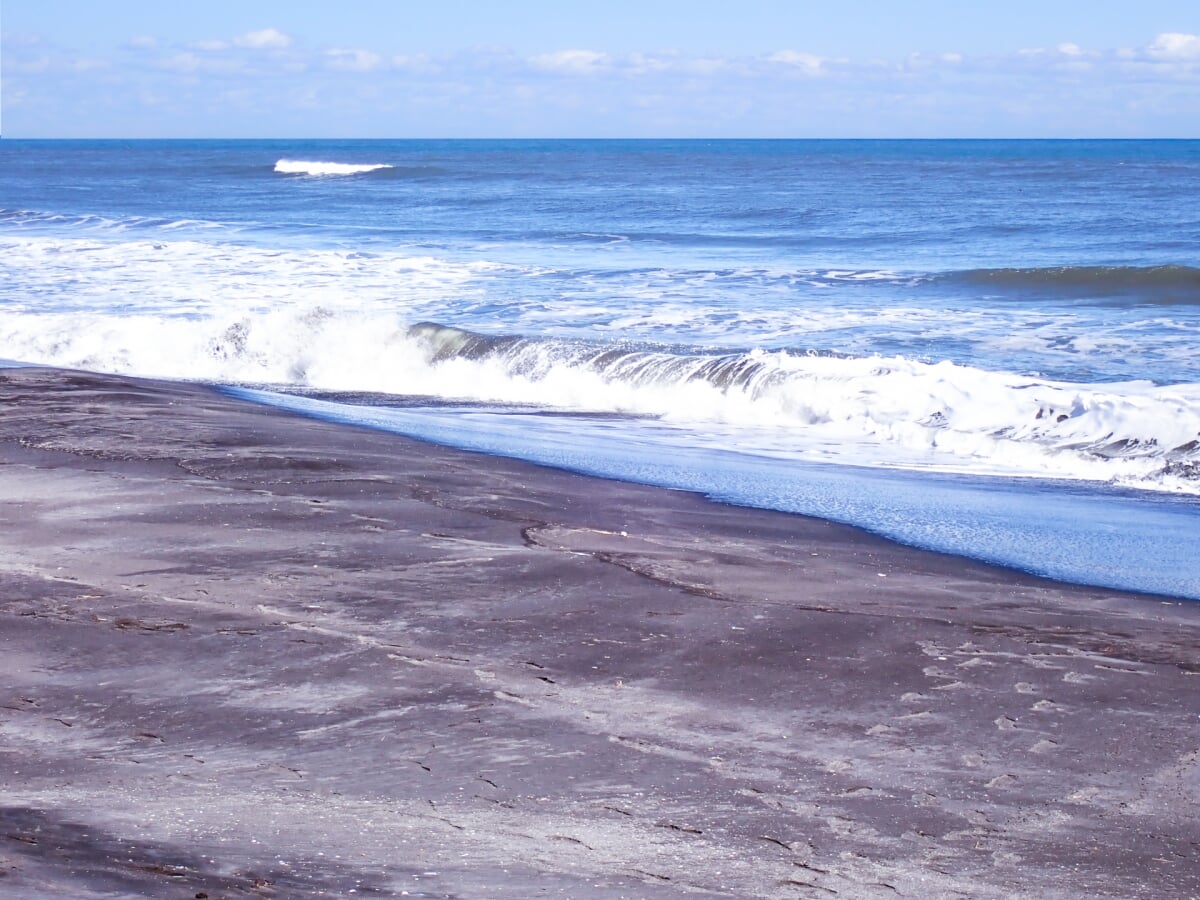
column 655, row 68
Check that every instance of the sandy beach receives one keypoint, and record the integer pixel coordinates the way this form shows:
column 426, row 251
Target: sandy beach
column 250, row 654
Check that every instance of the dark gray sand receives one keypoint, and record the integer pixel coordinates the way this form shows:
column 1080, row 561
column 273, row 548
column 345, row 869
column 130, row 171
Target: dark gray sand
column 246, row 654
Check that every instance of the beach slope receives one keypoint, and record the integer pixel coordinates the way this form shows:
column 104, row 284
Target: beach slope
column 245, row 653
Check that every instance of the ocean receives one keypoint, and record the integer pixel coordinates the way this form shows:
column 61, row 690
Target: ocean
column 987, row 348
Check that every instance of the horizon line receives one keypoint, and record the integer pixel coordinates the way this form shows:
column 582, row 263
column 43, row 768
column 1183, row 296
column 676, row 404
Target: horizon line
column 582, row 139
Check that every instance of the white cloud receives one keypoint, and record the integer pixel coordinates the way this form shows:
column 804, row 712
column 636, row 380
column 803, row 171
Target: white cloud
column 191, row 64
column 707, row 65
column 1173, row 45
column 266, row 39
column 184, row 62
column 666, row 62
column 574, row 62
column 808, row 63
column 644, row 63
column 1035, row 91
column 353, row 60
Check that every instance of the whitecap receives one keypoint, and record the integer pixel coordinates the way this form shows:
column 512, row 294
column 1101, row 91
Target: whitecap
column 316, row 167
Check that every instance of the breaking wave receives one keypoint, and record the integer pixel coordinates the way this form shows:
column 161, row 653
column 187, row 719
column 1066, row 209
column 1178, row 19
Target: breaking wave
column 874, row 410
column 940, row 408
column 314, row 167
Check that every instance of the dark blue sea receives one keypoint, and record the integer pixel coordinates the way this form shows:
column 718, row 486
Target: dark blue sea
column 982, row 347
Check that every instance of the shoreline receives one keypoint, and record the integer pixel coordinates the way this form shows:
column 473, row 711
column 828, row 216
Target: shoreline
column 251, row 651
column 1072, row 532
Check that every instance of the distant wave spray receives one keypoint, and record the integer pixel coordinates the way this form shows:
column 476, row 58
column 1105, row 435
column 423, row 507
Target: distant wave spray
column 316, row 167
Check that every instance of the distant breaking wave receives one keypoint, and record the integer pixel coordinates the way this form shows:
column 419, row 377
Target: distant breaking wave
column 35, row 219
column 311, row 167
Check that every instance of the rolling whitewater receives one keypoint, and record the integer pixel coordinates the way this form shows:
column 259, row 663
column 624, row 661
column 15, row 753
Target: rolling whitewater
column 986, row 348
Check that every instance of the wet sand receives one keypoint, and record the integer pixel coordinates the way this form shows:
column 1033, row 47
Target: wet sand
column 249, row 654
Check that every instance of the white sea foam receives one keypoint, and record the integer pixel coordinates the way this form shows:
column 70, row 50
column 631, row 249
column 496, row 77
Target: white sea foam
column 339, row 320
column 893, row 411
column 316, row 167
column 197, row 279
column 178, row 268
column 898, row 410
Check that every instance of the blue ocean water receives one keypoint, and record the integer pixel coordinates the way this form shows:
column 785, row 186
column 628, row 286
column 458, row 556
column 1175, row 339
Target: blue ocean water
column 985, row 347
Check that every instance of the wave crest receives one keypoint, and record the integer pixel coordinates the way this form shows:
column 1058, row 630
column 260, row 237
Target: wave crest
column 993, row 418
column 867, row 410
column 320, row 168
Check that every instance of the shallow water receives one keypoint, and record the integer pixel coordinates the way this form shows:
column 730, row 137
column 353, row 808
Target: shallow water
column 1066, row 531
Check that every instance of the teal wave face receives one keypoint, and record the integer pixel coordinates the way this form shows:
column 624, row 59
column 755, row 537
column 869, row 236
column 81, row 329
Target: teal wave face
column 1150, row 285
